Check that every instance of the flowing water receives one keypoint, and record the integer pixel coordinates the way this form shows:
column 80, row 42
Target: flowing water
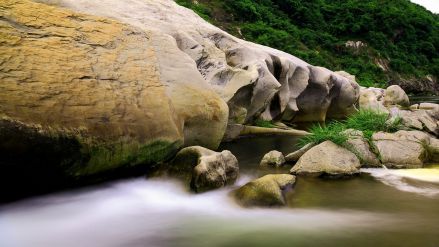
column 380, row 207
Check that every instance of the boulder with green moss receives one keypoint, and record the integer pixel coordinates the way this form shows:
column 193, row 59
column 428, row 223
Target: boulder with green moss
column 273, row 159
column 266, row 191
column 206, row 169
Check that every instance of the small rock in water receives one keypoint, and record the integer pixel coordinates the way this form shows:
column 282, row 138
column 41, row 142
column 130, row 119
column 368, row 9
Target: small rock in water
column 266, row 191
column 207, row 169
column 273, row 159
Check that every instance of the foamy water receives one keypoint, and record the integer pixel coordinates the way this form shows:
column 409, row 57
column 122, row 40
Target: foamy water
column 405, row 179
column 135, row 211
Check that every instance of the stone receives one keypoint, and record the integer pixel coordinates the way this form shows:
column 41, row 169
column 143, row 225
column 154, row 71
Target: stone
column 327, row 159
column 403, row 149
column 295, row 156
column 256, row 81
column 273, row 159
column 395, row 95
column 102, row 83
column 357, row 144
column 372, row 99
column 416, row 119
column 267, row 191
column 205, row 168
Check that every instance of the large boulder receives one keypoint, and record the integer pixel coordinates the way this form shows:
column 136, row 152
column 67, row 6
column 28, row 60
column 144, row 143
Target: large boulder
column 327, row 159
column 395, row 95
column 266, row 191
column 403, row 149
column 205, row 168
column 255, row 81
column 101, row 85
column 273, row 159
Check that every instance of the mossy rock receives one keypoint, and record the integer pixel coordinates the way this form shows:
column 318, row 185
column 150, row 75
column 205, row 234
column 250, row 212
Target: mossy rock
column 267, row 191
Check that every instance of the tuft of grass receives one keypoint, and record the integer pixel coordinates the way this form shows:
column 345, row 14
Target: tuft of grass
column 366, row 121
column 264, row 123
column 331, row 132
column 369, row 121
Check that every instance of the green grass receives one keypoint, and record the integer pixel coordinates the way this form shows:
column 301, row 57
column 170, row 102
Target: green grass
column 331, row 132
column 367, row 121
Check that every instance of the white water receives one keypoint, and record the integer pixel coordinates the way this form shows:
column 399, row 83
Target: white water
column 405, row 179
column 148, row 212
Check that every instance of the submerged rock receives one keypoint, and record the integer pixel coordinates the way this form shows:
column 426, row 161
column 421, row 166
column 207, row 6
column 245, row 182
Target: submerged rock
column 266, row 191
column 273, row 159
column 205, row 168
column 327, row 159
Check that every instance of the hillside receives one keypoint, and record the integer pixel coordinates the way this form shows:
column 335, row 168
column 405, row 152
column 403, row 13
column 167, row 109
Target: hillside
column 381, row 42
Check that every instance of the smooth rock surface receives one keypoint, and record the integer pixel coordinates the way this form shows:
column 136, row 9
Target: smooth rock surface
column 266, row 191
column 395, row 95
column 403, row 149
column 206, row 169
column 327, row 159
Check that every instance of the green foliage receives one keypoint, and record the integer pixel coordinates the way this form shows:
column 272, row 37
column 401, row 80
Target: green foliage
column 331, row 132
column 400, row 32
column 264, row 123
column 372, row 121
column 367, row 121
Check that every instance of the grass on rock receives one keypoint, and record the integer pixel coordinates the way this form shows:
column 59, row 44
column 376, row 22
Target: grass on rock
column 367, row 121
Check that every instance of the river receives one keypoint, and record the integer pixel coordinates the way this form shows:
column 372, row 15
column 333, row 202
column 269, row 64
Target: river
column 380, row 207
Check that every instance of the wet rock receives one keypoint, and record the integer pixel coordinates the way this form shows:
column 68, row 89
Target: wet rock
column 327, row 159
column 205, row 168
column 273, row 159
column 266, row 191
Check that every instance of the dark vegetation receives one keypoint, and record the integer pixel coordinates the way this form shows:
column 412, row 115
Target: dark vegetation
column 398, row 35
